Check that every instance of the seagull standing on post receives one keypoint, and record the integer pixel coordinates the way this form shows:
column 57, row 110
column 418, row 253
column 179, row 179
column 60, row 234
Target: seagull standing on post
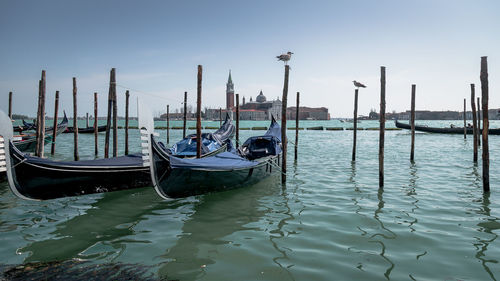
column 358, row 85
column 285, row 57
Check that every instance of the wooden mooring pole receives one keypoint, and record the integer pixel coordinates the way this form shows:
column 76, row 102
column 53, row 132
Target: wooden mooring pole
column 474, row 120
column 237, row 120
column 96, row 126
column 75, row 122
column 185, row 115
column 168, row 123
column 283, row 124
column 382, row 128
column 127, row 97
column 41, row 118
column 87, row 120
column 54, row 126
column 297, row 127
column 198, row 113
column 10, row 105
column 110, row 107
column 412, row 122
column 355, row 129
column 484, row 98
column 115, row 122
column 465, row 118
column 220, row 116
column 478, row 121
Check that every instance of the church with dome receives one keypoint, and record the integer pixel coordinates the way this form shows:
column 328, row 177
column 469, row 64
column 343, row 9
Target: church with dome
column 260, row 109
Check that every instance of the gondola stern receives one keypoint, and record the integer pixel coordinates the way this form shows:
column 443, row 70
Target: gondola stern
column 149, row 145
column 6, row 138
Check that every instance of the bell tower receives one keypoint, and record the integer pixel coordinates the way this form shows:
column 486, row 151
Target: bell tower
column 229, row 92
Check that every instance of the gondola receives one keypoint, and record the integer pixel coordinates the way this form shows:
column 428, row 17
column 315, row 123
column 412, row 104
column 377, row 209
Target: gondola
column 88, row 130
column 456, row 130
column 27, row 142
column 175, row 177
column 40, row 179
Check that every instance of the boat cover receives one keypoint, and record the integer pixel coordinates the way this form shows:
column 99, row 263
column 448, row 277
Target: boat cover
column 233, row 159
column 121, row 161
column 221, row 162
column 210, row 141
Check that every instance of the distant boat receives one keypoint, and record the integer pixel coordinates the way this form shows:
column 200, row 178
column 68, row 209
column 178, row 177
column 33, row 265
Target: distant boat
column 27, row 142
column 454, row 130
column 88, row 130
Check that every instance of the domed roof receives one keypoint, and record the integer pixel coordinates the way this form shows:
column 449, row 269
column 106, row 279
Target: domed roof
column 261, row 97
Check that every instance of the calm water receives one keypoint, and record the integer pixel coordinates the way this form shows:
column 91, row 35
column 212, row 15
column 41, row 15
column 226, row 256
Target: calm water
column 330, row 221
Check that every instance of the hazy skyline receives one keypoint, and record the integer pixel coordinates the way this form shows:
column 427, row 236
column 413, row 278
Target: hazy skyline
column 156, row 46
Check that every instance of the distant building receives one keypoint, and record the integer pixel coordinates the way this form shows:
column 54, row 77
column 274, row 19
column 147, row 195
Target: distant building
column 308, row 113
column 261, row 109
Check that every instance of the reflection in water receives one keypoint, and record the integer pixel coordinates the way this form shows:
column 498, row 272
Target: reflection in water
column 110, row 218
column 412, row 194
column 278, row 234
column 381, row 202
column 487, row 225
column 215, row 217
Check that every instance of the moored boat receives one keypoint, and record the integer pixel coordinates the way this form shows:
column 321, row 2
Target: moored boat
column 40, row 178
column 454, row 130
column 88, row 130
column 27, row 142
column 175, row 177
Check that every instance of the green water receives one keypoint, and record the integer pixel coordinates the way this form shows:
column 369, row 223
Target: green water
column 330, row 222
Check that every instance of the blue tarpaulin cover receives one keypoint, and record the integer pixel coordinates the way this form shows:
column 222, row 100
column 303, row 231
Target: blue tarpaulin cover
column 210, row 141
column 231, row 159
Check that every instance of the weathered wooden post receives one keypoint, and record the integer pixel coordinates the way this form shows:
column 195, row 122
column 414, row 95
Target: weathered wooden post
column 110, row 107
column 10, row 105
column 41, row 117
column 484, row 98
column 283, row 124
column 382, row 128
column 96, row 126
column 220, row 116
column 185, row 115
column 87, row 120
column 474, row 120
column 75, row 122
column 115, row 122
column 355, row 129
column 412, row 122
column 478, row 121
column 54, row 126
column 297, row 127
column 168, row 123
column 37, row 122
column 237, row 120
column 465, row 118
column 198, row 114
column 127, row 96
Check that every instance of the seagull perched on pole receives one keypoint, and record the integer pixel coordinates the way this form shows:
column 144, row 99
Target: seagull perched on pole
column 358, row 85
column 285, row 57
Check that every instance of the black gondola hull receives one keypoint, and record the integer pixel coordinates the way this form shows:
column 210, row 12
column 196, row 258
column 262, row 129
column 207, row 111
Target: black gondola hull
column 89, row 130
column 41, row 182
column 179, row 182
column 443, row 130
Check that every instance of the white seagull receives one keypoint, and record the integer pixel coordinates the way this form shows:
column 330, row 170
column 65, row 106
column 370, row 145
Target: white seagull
column 285, row 57
column 358, row 85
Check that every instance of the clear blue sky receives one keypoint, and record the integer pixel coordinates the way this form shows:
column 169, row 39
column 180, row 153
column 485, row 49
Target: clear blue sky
column 156, row 47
